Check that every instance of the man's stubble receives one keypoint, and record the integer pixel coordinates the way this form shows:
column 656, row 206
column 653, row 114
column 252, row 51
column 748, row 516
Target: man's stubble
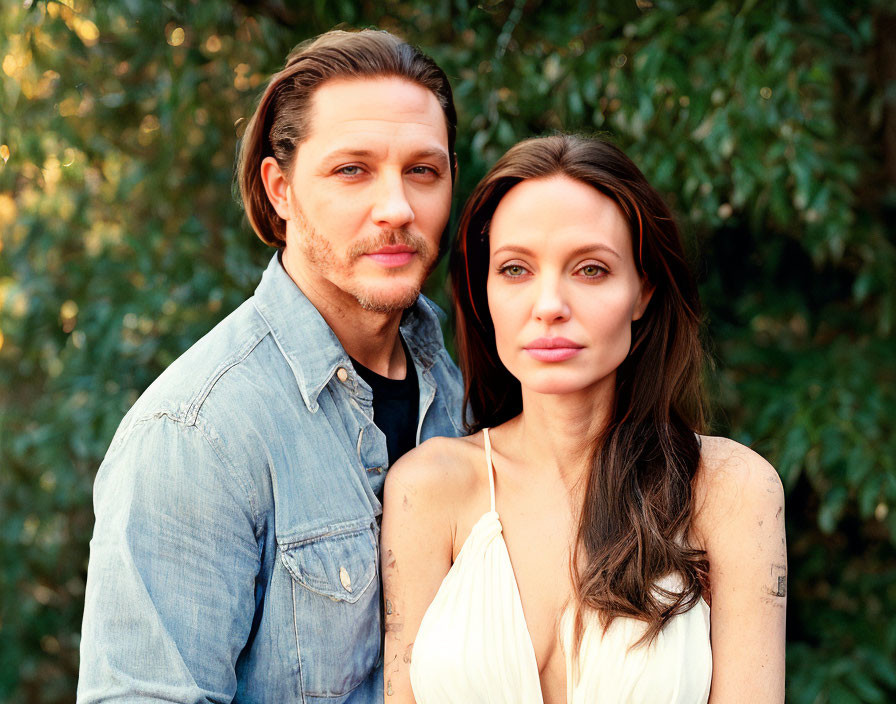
column 319, row 254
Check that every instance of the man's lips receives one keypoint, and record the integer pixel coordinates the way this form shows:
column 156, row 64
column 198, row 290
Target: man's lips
column 553, row 349
column 393, row 255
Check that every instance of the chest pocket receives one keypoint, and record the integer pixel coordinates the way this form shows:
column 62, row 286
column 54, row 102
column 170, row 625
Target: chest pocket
column 336, row 599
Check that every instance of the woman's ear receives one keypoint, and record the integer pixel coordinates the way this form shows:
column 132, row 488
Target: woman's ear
column 644, row 297
column 276, row 186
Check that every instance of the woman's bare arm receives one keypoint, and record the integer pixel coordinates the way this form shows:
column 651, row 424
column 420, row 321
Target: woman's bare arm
column 740, row 522
column 417, row 534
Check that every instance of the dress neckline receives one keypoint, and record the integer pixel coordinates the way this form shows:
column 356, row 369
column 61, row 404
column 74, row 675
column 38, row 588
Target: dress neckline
column 485, row 537
column 506, row 553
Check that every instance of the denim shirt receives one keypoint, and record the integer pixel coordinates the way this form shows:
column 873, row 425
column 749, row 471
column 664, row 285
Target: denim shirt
column 235, row 555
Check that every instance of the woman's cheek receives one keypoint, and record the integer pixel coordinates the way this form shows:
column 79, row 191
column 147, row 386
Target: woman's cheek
column 503, row 322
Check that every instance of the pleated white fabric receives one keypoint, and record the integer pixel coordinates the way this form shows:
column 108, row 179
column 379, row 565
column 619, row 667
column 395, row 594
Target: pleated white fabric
column 473, row 645
column 676, row 667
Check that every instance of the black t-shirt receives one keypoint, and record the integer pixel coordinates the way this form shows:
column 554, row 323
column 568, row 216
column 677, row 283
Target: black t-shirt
column 395, row 406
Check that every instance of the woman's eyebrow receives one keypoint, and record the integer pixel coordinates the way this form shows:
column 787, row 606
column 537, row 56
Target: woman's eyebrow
column 578, row 251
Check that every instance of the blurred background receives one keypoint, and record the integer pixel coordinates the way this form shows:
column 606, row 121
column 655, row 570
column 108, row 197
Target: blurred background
column 770, row 128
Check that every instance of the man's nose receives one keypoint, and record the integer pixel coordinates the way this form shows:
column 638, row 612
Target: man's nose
column 550, row 305
column 391, row 207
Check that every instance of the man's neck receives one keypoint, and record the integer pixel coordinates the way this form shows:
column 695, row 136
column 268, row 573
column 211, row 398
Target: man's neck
column 369, row 337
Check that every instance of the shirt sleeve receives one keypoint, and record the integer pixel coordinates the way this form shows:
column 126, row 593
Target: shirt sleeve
column 170, row 593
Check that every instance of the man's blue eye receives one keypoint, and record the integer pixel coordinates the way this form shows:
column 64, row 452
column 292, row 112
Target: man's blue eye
column 350, row 170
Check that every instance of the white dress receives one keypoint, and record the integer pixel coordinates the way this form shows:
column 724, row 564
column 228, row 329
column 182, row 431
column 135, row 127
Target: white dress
column 473, row 645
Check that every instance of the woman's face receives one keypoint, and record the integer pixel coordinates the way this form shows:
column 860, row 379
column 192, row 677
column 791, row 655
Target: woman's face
column 563, row 289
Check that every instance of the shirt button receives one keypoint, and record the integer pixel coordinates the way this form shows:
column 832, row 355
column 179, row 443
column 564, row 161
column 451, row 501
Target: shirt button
column 345, row 579
column 342, row 374
column 378, row 470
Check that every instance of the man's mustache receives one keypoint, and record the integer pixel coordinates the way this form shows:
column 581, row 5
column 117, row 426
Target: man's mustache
column 400, row 236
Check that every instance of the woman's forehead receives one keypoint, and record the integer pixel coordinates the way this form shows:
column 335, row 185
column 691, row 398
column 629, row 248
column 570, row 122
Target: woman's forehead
column 547, row 214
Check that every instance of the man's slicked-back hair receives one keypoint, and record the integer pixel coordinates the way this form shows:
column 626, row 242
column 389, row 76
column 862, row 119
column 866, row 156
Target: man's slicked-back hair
column 282, row 119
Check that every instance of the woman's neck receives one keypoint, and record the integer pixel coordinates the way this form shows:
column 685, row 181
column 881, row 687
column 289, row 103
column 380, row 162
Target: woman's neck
column 558, row 431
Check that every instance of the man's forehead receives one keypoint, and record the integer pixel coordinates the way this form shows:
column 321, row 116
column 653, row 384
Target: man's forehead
column 347, row 112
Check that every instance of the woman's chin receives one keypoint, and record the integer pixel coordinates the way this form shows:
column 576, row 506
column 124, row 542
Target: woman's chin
column 570, row 382
column 558, row 387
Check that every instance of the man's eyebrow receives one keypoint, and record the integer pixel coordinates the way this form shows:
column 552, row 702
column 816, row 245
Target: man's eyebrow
column 578, row 251
column 439, row 155
column 349, row 152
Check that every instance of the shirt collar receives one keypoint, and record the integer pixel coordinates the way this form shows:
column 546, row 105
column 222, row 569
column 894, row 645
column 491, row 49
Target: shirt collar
column 312, row 349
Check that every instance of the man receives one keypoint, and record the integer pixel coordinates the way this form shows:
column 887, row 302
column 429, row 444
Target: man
column 235, row 549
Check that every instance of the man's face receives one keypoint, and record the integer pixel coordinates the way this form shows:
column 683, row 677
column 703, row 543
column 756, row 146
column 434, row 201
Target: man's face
column 370, row 193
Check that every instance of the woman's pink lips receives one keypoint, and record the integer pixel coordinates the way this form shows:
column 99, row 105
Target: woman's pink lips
column 392, row 256
column 552, row 349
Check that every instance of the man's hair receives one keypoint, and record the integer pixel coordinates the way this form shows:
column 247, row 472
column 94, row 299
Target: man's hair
column 282, row 119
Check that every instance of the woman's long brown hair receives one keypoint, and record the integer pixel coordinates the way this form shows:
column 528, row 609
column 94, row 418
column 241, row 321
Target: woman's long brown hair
column 638, row 502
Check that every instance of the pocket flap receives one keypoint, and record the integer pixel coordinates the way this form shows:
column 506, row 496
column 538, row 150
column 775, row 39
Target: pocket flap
column 341, row 566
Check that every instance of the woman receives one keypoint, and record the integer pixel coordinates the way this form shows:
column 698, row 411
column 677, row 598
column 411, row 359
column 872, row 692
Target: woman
column 570, row 548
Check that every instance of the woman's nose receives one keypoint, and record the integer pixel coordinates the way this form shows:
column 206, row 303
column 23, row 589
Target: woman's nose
column 550, row 305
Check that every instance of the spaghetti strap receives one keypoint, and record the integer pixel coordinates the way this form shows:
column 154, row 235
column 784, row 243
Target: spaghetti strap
column 491, row 467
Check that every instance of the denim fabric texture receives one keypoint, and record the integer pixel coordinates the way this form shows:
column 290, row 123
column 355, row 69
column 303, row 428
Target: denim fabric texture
column 235, row 555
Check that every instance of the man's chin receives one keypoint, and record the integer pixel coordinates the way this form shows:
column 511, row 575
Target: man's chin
column 392, row 301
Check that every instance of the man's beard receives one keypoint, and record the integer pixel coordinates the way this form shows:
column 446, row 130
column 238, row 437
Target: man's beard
column 319, row 253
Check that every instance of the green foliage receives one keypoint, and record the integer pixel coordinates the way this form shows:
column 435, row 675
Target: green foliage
column 761, row 123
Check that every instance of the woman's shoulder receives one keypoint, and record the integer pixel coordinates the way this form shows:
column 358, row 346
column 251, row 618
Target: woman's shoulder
column 727, row 466
column 440, row 469
column 734, row 484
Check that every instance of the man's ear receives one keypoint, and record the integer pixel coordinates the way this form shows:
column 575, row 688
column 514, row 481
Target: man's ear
column 647, row 290
column 276, row 186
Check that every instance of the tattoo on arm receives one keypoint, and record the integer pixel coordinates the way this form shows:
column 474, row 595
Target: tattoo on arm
column 393, row 624
column 779, row 580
